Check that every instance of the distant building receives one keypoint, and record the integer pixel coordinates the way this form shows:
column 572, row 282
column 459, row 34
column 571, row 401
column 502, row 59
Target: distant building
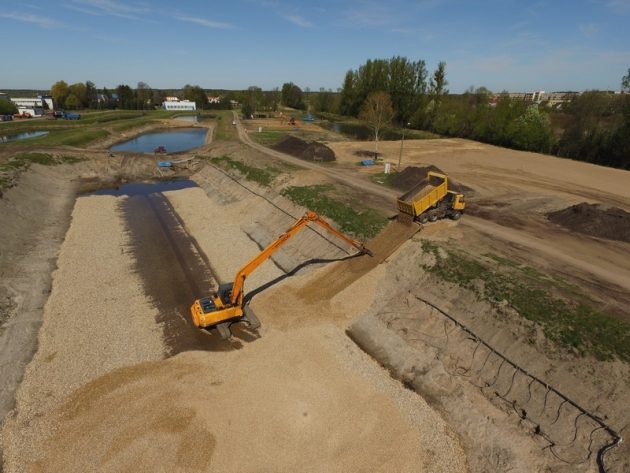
column 171, row 99
column 33, row 106
column 550, row 98
column 179, row 105
column 214, row 99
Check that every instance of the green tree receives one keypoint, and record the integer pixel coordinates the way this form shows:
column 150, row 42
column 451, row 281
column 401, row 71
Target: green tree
column 292, row 96
column 59, row 92
column 348, row 102
column 73, row 102
column 618, row 154
column 126, row 97
column 91, row 95
column 79, row 90
column 438, row 89
column 7, row 107
column 251, row 101
column 196, row 94
column 144, row 95
column 378, row 113
column 532, row 131
column 625, row 82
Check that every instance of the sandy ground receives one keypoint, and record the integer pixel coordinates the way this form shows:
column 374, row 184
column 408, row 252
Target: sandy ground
column 305, row 402
column 96, row 319
column 508, row 194
column 302, row 397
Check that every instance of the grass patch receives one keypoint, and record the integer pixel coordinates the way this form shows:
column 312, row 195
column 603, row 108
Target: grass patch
column 365, row 223
column 383, row 179
column 73, row 137
column 38, row 158
column 261, row 176
column 225, row 131
column 268, row 138
column 571, row 322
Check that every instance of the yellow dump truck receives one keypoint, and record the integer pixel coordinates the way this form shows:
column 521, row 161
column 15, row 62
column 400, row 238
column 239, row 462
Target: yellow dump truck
column 431, row 199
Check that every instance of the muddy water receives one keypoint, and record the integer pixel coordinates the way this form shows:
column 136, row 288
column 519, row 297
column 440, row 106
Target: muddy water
column 173, row 268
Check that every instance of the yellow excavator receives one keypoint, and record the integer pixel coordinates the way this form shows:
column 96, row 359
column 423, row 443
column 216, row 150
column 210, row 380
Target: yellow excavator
column 227, row 306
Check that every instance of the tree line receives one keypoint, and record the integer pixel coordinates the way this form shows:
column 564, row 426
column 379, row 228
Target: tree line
column 84, row 95
column 593, row 127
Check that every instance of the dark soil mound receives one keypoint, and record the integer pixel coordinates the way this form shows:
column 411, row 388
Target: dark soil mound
column 291, row 145
column 318, row 152
column 303, row 150
column 595, row 220
column 364, row 153
column 410, row 176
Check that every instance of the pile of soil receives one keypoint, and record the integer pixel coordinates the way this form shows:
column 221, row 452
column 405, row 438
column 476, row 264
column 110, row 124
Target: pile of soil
column 291, row 145
column 303, row 150
column 412, row 175
column 595, row 220
column 318, row 152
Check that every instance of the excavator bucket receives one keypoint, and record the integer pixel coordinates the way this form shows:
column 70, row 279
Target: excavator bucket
column 250, row 318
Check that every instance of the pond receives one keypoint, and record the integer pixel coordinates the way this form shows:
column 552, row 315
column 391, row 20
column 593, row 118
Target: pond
column 173, row 141
column 360, row 132
column 22, row 136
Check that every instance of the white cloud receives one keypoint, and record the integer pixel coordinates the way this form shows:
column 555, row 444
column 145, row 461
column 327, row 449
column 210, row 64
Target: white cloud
column 38, row 20
column 205, row 22
column 109, row 7
column 298, row 20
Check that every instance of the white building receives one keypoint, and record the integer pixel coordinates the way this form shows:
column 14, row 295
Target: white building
column 180, row 105
column 33, row 106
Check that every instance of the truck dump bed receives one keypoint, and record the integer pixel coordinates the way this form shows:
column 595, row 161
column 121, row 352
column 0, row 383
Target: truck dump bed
column 424, row 195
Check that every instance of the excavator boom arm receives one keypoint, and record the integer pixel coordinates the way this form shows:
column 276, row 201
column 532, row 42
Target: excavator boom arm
column 245, row 271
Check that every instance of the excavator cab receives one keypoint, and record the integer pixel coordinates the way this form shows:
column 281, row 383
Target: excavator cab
column 217, row 311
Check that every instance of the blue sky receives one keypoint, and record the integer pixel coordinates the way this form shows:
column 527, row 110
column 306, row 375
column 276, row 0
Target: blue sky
column 501, row 44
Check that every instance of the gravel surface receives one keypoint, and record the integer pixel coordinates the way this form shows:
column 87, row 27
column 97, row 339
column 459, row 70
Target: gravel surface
column 216, row 227
column 96, row 319
column 309, row 402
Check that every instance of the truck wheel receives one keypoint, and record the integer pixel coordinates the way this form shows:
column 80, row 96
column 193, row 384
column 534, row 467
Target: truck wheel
column 423, row 218
column 433, row 216
column 456, row 215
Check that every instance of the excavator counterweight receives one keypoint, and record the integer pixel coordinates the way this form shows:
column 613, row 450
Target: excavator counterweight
column 226, row 307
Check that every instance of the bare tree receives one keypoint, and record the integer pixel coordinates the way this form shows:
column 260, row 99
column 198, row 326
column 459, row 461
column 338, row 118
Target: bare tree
column 377, row 112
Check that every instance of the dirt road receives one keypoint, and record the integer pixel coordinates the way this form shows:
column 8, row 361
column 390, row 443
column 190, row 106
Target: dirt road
column 334, row 174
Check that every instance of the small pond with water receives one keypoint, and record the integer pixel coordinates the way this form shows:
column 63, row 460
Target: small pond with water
column 174, row 141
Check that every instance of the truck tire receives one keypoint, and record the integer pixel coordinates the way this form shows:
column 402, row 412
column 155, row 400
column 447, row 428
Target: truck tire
column 456, row 215
column 433, row 216
column 423, row 218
